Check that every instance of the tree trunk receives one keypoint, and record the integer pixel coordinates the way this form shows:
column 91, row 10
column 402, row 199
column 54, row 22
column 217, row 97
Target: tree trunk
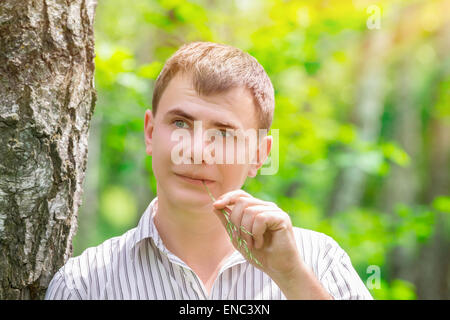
column 47, row 98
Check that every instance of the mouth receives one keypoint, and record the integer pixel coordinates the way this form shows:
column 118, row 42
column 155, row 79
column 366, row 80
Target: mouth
column 198, row 181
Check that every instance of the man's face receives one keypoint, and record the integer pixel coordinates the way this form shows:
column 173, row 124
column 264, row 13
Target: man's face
column 178, row 108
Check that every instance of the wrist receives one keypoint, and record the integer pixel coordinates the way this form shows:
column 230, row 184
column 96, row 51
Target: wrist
column 300, row 283
column 288, row 279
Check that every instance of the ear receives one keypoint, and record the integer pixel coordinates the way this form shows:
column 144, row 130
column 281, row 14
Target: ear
column 148, row 131
column 262, row 153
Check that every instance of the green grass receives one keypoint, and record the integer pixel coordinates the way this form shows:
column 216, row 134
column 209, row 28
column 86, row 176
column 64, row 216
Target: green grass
column 232, row 227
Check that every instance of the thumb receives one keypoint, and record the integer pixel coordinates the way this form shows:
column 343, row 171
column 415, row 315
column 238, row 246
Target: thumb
column 221, row 215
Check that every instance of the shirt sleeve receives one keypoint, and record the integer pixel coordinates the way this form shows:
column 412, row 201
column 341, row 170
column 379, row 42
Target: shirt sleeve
column 342, row 281
column 59, row 290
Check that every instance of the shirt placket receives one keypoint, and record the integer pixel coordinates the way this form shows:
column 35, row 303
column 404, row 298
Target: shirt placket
column 191, row 277
column 235, row 259
column 197, row 285
column 195, row 282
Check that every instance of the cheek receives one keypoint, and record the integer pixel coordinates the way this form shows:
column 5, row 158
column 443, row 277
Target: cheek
column 234, row 176
column 234, row 152
column 162, row 147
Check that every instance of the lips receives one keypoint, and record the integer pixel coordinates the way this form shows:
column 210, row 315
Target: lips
column 194, row 178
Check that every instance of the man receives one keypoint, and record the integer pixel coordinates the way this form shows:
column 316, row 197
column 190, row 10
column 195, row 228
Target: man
column 181, row 248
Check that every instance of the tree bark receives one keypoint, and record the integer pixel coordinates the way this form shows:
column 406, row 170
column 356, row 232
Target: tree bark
column 47, row 98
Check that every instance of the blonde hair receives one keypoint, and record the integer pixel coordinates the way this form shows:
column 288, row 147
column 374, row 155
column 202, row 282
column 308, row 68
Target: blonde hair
column 217, row 68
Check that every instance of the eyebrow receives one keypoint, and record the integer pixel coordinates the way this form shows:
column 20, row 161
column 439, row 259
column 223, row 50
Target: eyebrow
column 182, row 113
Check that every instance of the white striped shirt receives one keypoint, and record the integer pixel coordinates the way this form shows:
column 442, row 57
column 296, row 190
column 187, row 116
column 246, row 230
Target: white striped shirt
column 137, row 266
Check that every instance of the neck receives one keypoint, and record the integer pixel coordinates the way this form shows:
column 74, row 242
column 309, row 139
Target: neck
column 195, row 235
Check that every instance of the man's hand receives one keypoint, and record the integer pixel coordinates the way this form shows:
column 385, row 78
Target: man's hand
column 273, row 242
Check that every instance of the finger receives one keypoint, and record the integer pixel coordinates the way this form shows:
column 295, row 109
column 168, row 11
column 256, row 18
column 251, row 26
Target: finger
column 221, row 215
column 235, row 194
column 247, row 224
column 239, row 207
column 259, row 228
column 236, row 213
column 248, row 220
column 233, row 199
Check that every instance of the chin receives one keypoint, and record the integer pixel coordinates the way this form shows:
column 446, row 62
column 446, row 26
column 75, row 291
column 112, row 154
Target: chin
column 186, row 196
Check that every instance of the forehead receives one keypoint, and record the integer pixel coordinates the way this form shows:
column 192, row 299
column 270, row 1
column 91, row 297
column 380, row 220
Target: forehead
column 234, row 106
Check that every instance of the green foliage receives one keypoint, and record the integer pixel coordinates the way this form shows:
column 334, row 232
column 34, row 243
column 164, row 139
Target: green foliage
column 396, row 290
column 442, row 204
column 316, row 55
column 118, row 207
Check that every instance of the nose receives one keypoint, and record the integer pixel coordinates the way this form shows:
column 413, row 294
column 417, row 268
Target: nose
column 200, row 143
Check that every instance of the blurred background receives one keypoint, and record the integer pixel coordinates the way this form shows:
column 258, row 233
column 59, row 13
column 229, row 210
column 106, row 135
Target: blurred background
column 363, row 112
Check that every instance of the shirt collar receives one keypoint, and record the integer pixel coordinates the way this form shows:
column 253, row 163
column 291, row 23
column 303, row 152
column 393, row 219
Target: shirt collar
column 146, row 229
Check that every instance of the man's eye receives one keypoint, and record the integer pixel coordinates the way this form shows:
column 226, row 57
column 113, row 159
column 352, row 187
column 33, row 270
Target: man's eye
column 224, row 133
column 181, row 124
